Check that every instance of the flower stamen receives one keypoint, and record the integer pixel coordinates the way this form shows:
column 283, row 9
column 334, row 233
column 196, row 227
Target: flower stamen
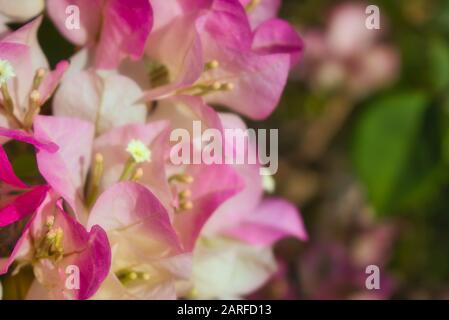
column 95, row 181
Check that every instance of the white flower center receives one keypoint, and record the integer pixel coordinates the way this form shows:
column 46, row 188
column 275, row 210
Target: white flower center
column 139, row 151
column 6, row 71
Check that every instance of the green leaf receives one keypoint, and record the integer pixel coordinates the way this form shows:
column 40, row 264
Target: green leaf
column 439, row 64
column 383, row 147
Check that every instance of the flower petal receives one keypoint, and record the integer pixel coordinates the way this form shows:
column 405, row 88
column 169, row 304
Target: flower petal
column 108, row 100
column 23, row 205
column 263, row 11
column 213, row 184
column 40, row 143
column 89, row 15
column 278, row 36
column 228, row 269
column 66, row 169
column 126, row 26
column 21, row 10
column 273, row 220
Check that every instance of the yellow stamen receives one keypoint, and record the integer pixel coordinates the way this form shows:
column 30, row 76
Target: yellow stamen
column 252, row 5
column 185, row 194
column 182, row 178
column 50, row 221
column 137, row 175
column 33, row 109
column 94, row 185
column 38, row 78
column 7, row 100
column 214, row 64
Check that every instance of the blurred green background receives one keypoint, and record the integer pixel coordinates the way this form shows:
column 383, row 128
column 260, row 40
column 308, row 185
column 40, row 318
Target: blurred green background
column 365, row 150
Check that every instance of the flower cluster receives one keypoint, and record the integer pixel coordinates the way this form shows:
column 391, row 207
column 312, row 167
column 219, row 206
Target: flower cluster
column 111, row 204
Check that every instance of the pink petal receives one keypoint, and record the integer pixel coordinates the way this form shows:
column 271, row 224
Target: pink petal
column 258, row 81
column 213, row 185
column 273, row 220
column 106, row 100
column 23, row 205
column 27, row 35
column 112, row 146
column 226, row 216
column 20, row 135
column 226, row 23
column 51, row 80
column 130, row 205
column 178, row 47
column 278, row 36
column 126, row 25
column 89, row 251
column 264, row 10
column 26, row 64
column 182, row 110
column 66, row 169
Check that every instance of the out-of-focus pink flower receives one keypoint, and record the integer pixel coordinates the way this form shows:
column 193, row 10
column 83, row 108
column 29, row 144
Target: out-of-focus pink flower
column 115, row 28
column 26, row 82
column 52, row 242
column 337, row 271
column 147, row 258
column 342, row 57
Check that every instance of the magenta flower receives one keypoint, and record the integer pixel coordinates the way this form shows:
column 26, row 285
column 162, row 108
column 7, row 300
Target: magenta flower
column 54, row 243
column 147, row 256
column 29, row 198
column 115, row 29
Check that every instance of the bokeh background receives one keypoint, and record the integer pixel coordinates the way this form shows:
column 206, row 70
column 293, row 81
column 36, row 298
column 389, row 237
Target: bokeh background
column 364, row 148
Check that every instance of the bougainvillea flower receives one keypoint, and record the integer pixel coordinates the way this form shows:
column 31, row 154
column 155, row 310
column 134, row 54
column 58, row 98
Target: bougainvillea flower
column 147, row 257
column 55, row 243
column 241, row 70
column 106, row 99
column 244, row 225
column 25, row 81
column 23, row 200
column 115, row 28
column 189, row 192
